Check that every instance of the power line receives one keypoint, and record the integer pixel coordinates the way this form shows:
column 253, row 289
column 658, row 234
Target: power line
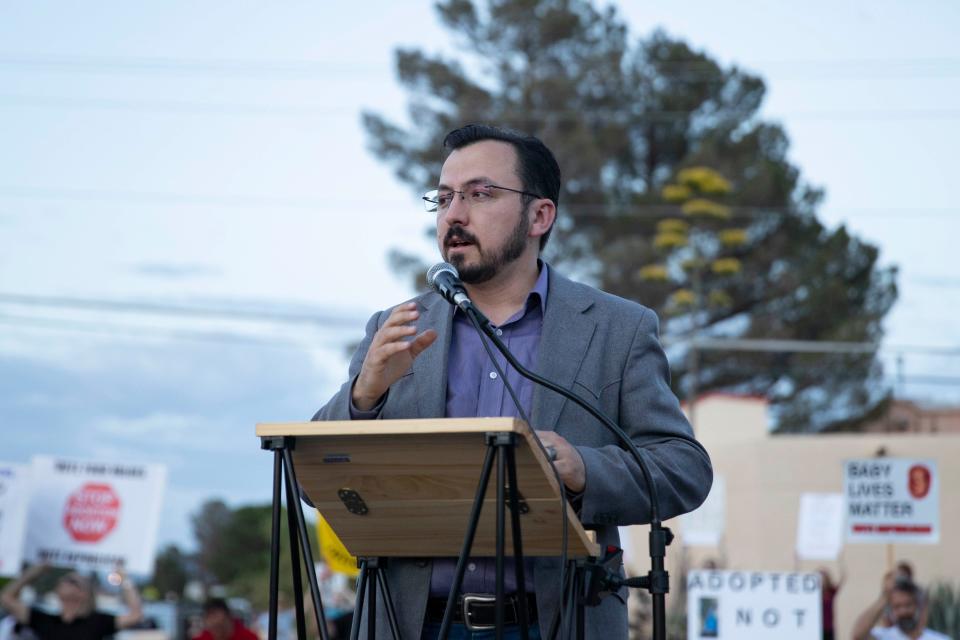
column 770, row 345
column 313, row 318
column 313, row 111
column 326, row 320
column 692, row 71
column 256, row 201
column 114, row 331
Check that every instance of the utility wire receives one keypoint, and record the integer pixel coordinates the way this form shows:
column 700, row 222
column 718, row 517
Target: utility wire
column 347, row 321
column 689, row 71
column 119, row 331
column 572, row 115
column 114, row 331
column 583, row 210
column 322, row 319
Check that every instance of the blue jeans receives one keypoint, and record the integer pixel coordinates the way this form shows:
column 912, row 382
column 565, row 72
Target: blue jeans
column 431, row 630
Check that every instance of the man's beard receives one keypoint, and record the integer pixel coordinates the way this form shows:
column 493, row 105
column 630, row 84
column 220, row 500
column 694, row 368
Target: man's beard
column 488, row 266
column 907, row 623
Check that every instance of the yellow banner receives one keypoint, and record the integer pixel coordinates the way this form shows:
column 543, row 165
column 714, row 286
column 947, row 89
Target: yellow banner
column 332, row 550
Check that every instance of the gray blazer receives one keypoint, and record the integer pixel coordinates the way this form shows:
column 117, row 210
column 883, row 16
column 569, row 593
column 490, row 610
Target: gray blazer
column 606, row 349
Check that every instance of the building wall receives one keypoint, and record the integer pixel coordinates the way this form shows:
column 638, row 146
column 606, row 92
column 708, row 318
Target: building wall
column 765, row 476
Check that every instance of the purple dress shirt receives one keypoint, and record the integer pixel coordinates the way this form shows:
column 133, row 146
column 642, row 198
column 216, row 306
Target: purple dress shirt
column 474, row 389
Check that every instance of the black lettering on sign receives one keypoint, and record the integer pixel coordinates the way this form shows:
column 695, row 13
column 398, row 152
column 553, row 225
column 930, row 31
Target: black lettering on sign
column 737, row 581
column 744, row 616
column 771, row 618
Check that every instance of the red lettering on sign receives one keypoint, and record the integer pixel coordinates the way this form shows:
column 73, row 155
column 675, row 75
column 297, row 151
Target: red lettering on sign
column 892, row 528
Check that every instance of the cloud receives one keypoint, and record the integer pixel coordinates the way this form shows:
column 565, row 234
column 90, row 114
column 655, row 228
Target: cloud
column 191, row 406
column 175, row 271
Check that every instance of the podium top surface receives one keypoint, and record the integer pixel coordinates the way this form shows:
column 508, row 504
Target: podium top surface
column 392, row 427
column 417, row 480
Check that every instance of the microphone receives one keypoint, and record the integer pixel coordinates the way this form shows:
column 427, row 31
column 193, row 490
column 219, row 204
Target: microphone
column 445, row 280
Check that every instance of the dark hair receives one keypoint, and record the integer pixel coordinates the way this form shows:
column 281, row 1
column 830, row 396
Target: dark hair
column 216, row 604
column 907, row 586
column 537, row 168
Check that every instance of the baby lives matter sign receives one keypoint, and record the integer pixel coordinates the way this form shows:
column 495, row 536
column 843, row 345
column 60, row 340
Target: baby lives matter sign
column 892, row 500
column 746, row 605
column 94, row 515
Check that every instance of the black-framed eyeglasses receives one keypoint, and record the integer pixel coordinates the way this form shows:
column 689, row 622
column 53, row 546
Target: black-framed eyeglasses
column 477, row 194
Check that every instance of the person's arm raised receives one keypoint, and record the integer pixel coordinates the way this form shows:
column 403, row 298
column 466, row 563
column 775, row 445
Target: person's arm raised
column 131, row 598
column 10, row 596
column 868, row 619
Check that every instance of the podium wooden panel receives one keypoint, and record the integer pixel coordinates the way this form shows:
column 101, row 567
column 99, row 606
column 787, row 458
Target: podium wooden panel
column 418, row 479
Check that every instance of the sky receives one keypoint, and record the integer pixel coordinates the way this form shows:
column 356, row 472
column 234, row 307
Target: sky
column 193, row 228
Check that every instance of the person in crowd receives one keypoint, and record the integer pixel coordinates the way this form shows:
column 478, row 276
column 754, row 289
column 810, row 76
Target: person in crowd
column 828, row 591
column 495, row 207
column 902, row 597
column 77, row 619
column 219, row 623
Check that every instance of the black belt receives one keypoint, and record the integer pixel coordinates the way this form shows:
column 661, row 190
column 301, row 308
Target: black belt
column 479, row 611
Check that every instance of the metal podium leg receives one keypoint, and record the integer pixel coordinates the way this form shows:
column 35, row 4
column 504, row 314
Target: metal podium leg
column 518, row 560
column 275, row 547
column 468, row 540
column 388, row 601
column 295, row 565
column 293, row 489
column 372, row 606
column 358, row 605
column 501, row 535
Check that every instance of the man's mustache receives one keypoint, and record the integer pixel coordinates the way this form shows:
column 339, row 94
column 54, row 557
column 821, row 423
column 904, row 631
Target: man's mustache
column 457, row 232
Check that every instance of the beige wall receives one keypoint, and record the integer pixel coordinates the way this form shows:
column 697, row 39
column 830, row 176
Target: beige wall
column 765, row 476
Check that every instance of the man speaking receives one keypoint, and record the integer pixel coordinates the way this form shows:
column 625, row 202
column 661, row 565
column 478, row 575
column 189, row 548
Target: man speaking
column 496, row 203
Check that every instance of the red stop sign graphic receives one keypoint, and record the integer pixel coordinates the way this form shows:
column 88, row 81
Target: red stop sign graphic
column 92, row 512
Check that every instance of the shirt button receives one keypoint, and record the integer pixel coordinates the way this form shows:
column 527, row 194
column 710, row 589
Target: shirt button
column 472, row 566
column 499, row 332
column 493, row 375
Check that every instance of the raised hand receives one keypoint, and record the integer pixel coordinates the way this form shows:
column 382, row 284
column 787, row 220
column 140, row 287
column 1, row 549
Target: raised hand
column 391, row 353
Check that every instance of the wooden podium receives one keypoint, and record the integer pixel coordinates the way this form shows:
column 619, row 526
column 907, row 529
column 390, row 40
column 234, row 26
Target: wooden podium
column 409, row 488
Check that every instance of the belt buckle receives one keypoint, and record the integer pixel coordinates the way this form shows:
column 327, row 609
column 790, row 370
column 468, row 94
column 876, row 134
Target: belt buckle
column 468, row 600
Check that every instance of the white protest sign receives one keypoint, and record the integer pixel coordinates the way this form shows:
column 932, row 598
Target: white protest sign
column 704, row 526
column 753, row 605
column 892, row 500
column 820, row 526
column 94, row 515
column 14, row 496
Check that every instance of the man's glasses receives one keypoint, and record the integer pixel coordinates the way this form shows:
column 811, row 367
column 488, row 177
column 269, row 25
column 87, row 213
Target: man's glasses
column 440, row 201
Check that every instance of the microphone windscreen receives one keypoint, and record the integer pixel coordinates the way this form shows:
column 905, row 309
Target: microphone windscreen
column 438, row 268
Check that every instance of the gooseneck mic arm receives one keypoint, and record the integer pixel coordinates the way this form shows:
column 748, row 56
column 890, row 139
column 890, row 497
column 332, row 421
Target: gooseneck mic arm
column 657, row 581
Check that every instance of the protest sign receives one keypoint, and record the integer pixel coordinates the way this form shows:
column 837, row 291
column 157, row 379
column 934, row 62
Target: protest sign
column 704, row 526
column 820, row 526
column 753, row 605
column 94, row 515
column 892, row 500
column 14, row 494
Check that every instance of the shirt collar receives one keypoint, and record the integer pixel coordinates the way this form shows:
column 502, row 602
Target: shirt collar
column 540, row 288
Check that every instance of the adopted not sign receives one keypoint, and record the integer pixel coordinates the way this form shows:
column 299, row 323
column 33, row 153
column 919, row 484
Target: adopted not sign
column 94, row 515
column 892, row 500
column 753, row 605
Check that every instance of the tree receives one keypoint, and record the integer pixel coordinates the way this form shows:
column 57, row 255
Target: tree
column 171, row 571
column 624, row 119
column 234, row 549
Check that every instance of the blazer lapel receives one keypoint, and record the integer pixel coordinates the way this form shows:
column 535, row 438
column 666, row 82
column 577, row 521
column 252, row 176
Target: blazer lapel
column 430, row 367
column 566, row 334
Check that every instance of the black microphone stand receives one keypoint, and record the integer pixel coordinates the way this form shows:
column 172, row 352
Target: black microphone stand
column 602, row 578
